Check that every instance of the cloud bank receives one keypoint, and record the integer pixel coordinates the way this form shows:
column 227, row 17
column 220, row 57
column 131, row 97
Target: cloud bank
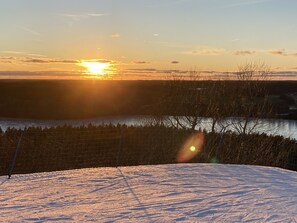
column 282, row 53
column 30, row 60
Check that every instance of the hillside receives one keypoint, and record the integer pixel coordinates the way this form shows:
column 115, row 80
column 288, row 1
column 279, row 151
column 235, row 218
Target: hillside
column 167, row 193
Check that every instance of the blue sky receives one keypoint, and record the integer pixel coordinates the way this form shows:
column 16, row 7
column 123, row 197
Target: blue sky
column 212, row 35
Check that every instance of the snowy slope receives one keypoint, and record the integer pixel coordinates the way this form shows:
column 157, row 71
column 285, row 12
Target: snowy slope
column 167, row 193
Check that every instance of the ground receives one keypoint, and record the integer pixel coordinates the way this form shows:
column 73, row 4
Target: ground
column 165, row 193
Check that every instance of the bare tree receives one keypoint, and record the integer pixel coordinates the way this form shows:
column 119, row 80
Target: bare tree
column 185, row 100
column 249, row 102
column 190, row 99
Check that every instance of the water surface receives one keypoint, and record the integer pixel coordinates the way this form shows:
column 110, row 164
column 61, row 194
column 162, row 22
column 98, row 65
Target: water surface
column 286, row 128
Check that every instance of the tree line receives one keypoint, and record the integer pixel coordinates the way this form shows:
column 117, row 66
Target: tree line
column 67, row 147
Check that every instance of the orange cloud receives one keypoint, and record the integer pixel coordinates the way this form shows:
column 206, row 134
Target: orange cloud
column 206, row 52
column 5, row 59
column 141, row 62
column 243, row 52
column 282, row 53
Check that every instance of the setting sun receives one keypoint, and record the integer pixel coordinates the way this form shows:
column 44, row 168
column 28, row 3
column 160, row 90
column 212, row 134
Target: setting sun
column 95, row 68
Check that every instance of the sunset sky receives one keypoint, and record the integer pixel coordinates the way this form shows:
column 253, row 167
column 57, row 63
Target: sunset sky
column 144, row 38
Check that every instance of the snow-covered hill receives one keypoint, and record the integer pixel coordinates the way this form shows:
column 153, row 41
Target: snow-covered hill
column 167, row 193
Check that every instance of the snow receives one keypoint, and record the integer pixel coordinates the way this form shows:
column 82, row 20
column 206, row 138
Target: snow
column 164, row 193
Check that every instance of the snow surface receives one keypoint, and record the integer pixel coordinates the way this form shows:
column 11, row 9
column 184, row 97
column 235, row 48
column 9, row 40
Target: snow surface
column 165, row 193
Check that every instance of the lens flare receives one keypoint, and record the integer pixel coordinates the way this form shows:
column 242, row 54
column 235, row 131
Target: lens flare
column 191, row 148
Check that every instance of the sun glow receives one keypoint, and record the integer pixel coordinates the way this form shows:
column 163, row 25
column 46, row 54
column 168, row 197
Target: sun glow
column 96, row 68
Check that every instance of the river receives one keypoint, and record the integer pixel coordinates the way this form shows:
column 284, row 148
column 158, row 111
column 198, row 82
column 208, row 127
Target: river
column 286, row 128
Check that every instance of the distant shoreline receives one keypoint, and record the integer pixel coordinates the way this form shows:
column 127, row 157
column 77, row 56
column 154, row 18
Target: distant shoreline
column 84, row 99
